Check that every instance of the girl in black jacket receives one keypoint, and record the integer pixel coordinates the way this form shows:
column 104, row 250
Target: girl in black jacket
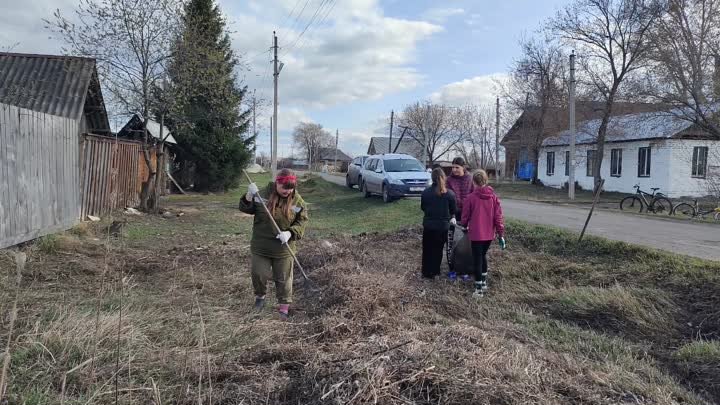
column 438, row 204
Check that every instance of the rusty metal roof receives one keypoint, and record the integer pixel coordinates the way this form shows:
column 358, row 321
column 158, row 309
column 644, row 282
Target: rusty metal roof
column 56, row 85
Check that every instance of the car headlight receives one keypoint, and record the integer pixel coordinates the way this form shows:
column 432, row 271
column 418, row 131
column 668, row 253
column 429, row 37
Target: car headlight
column 428, row 182
column 396, row 182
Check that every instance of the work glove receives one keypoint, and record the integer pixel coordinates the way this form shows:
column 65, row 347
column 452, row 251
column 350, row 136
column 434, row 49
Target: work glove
column 284, row 237
column 501, row 241
column 252, row 190
column 453, row 221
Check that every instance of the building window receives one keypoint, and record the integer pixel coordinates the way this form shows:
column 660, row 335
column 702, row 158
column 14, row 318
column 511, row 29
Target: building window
column 644, row 162
column 550, row 163
column 699, row 162
column 567, row 162
column 590, row 163
column 616, row 162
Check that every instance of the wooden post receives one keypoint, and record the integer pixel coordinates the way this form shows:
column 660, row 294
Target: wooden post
column 595, row 200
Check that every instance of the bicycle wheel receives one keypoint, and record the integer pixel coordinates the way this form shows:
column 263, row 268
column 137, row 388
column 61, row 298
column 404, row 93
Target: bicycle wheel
column 684, row 210
column 717, row 216
column 661, row 205
column 631, row 203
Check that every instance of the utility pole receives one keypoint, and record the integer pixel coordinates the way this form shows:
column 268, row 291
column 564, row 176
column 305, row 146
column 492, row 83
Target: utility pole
column 254, row 129
column 571, row 108
column 392, row 117
column 497, row 137
column 271, row 139
column 276, row 73
column 337, row 136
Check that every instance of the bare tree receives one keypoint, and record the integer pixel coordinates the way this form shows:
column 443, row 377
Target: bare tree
column 685, row 69
column 478, row 146
column 537, row 84
column 131, row 41
column 613, row 42
column 437, row 127
column 311, row 138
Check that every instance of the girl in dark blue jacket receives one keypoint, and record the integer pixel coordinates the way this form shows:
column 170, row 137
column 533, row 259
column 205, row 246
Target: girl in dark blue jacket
column 438, row 204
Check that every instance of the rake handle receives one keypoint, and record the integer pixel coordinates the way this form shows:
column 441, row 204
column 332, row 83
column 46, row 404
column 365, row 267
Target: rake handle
column 277, row 229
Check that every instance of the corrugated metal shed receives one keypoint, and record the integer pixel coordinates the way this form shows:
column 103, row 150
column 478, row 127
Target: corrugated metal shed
column 65, row 86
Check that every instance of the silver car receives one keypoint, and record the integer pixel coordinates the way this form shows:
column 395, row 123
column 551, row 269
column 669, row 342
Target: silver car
column 353, row 176
column 393, row 176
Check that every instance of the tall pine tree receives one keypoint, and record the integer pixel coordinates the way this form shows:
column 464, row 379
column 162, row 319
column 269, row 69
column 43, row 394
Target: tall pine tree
column 207, row 115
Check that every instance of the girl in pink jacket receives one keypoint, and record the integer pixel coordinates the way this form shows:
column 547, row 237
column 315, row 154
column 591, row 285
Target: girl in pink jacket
column 483, row 216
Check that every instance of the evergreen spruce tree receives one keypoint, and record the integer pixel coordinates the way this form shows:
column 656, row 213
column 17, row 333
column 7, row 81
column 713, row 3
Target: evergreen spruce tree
column 207, row 115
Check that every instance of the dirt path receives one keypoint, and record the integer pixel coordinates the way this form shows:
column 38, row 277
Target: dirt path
column 692, row 239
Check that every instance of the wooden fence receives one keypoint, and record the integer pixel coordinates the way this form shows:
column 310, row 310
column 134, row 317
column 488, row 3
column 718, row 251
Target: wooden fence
column 39, row 174
column 112, row 174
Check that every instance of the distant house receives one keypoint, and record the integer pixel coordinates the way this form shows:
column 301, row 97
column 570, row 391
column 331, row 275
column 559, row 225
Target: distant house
column 522, row 141
column 652, row 149
column 379, row 145
column 133, row 129
column 327, row 156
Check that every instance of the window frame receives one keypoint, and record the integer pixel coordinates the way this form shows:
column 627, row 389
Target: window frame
column 567, row 163
column 646, row 163
column 588, row 166
column 694, row 173
column 548, row 164
column 616, row 161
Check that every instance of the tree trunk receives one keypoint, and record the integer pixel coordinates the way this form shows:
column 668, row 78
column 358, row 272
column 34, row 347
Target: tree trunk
column 602, row 131
column 147, row 200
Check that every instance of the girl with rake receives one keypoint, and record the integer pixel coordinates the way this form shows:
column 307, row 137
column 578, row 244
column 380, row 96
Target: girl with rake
column 270, row 259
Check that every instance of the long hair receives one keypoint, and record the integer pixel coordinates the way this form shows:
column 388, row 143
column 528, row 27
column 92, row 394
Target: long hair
column 276, row 202
column 438, row 179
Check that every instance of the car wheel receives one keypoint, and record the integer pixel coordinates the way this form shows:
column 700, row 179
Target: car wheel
column 347, row 181
column 365, row 191
column 386, row 194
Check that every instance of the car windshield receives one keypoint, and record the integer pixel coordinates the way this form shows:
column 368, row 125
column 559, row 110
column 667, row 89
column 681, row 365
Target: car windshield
column 403, row 165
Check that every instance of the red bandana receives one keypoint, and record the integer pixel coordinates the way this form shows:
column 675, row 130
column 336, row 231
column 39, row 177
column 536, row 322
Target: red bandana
column 285, row 179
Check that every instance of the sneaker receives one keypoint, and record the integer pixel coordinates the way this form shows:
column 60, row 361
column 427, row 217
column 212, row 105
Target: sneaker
column 479, row 293
column 466, row 278
column 452, row 276
column 259, row 303
column 284, row 310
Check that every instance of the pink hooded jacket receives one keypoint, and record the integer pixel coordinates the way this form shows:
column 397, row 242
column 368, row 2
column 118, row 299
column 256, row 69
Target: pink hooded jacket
column 483, row 215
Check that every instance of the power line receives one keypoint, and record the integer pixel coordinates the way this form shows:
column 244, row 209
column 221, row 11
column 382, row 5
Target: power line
column 297, row 18
column 312, row 19
column 319, row 24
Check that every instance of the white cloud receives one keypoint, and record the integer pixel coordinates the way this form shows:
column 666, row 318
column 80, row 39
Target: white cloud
column 357, row 54
column 476, row 90
column 441, row 15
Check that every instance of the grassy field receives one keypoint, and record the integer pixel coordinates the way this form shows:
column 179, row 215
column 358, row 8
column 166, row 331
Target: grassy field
column 160, row 314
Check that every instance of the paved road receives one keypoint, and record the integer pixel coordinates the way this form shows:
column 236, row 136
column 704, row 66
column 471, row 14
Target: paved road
column 692, row 239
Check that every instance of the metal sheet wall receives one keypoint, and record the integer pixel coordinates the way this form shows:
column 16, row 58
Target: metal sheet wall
column 39, row 174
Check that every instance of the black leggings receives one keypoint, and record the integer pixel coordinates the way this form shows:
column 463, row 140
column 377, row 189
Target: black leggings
column 479, row 253
column 433, row 243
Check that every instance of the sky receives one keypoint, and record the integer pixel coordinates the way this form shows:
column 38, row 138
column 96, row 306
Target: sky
column 353, row 63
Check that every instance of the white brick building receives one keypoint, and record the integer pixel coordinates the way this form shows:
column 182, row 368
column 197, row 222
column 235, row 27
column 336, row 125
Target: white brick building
column 649, row 149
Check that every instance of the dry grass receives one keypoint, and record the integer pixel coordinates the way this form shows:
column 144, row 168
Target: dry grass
column 594, row 323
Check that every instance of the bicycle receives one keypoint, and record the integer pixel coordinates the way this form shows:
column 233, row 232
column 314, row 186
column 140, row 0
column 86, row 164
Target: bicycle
column 658, row 204
column 692, row 211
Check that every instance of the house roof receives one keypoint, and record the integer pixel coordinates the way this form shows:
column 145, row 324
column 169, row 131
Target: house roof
column 557, row 118
column 133, row 129
column 632, row 127
column 329, row 154
column 65, row 86
column 379, row 144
